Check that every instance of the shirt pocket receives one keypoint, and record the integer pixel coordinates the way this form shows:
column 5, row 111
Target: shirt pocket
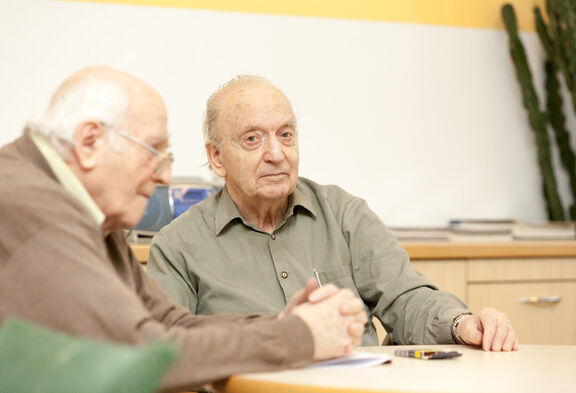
column 341, row 277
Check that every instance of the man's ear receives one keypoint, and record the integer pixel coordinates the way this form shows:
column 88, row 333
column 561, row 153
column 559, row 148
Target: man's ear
column 213, row 153
column 87, row 143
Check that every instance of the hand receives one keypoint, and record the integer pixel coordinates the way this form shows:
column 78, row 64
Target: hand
column 303, row 296
column 313, row 294
column 489, row 328
column 336, row 319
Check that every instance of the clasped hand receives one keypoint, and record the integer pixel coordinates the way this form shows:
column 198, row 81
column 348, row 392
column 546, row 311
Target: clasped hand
column 335, row 317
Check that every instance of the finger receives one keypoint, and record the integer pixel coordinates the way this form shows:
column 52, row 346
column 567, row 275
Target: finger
column 323, row 293
column 356, row 329
column 471, row 335
column 352, row 306
column 311, row 286
column 502, row 328
column 348, row 349
column 516, row 345
column 508, row 344
column 488, row 322
column 469, row 330
column 298, row 297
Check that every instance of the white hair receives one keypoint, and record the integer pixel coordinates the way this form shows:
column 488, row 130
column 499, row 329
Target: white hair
column 92, row 98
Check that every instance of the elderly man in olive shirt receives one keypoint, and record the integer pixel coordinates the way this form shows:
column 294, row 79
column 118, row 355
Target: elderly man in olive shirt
column 250, row 247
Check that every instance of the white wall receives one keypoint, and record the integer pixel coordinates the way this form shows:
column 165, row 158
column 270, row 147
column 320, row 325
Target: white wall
column 425, row 122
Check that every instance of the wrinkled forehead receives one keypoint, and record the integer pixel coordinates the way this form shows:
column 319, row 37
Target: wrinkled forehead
column 253, row 104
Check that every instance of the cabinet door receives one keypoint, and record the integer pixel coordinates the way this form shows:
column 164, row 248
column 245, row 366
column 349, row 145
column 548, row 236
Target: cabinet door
column 531, row 308
column 448, row 275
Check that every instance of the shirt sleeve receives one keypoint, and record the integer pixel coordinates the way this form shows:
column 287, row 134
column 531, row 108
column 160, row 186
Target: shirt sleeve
column 410, row 307
column 166, row 266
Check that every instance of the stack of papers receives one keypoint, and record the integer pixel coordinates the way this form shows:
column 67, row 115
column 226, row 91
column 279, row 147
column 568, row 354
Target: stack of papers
column 357, row 359
column 477, row 230
column 423, row 234
column 481, row 230
column 544, row 231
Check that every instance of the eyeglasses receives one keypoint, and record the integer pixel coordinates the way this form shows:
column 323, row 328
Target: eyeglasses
column 164, row 159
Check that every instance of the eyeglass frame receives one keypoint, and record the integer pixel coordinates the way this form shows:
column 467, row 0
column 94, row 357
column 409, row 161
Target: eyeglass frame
column 166, row 158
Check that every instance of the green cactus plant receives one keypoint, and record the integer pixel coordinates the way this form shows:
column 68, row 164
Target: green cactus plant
column 536, row 117
column 558, row 39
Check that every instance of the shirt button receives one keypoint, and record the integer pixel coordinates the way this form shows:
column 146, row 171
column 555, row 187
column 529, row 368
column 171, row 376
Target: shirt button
column 273, row 236
column 284, row 274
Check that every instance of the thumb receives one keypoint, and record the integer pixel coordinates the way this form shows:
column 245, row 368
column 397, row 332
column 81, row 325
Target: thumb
column 472, row 337
column 311, row 286
column 470, row 331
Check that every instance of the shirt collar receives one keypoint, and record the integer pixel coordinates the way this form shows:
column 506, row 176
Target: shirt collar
column 228, row 211
column 67, row 178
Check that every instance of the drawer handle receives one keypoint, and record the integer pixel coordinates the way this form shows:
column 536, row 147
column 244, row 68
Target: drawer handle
column 537, row 300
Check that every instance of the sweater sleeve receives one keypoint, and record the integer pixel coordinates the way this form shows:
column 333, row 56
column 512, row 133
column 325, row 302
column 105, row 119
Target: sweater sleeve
column 67, row 278
column 217, row 346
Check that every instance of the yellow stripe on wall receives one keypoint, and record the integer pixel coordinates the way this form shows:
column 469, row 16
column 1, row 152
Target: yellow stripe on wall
column 483, row 14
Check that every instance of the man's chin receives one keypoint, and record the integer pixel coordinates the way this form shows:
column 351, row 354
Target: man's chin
column 276, row 192
column 131, row 219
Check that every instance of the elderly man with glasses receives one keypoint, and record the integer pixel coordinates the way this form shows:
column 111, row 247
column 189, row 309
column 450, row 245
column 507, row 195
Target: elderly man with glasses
column 69, row 186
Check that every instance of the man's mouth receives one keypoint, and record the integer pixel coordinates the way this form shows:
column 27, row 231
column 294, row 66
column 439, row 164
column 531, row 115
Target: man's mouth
column 275, row 174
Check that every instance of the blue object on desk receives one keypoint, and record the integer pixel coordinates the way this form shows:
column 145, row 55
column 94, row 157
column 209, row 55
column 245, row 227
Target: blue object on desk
column 168, row 202
column 183, row 197
column 158, row 211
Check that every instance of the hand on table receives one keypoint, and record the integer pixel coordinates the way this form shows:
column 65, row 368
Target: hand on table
column 490, row 329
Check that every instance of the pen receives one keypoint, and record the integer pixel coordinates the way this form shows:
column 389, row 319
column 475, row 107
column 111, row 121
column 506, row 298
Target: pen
column 317, row 278
column 427, row 354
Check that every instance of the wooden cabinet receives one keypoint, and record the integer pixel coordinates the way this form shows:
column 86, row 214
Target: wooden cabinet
column 537, row 290
column 538, row 295
column 539, row 322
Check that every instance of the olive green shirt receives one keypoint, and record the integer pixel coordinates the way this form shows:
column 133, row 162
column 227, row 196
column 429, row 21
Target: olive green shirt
column 211, row 260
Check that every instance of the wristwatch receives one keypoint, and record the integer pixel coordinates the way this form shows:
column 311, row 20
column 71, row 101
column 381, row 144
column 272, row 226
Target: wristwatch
column 455, row 324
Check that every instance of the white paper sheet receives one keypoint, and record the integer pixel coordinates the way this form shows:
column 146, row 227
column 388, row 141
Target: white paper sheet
column 357, row 359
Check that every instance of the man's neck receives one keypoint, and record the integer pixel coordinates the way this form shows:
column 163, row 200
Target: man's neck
column 265, row 215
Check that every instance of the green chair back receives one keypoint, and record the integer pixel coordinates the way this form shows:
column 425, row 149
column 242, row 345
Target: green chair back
column 38, row 360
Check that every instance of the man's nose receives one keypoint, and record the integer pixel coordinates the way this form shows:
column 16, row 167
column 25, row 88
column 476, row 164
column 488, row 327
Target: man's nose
column 273, row 150
column 163, row 176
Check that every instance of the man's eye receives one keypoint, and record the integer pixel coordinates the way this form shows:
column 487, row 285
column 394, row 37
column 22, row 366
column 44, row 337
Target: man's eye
column 251, row 141
column 287, row 136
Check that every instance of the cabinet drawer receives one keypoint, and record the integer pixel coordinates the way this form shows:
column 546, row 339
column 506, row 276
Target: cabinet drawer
column 535, row 323
column 530, row 269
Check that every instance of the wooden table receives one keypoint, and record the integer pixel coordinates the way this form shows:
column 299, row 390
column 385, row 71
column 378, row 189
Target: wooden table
column 534, row 368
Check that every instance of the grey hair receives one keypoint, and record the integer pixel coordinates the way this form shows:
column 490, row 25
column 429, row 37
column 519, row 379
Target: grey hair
column 90, row 98
column 211, row 133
